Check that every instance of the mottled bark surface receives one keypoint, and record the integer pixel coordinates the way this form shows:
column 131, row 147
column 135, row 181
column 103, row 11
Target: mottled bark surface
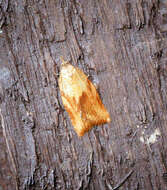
column 121, row 44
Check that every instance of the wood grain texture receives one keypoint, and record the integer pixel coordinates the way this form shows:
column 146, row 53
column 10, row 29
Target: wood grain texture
column 123, row 44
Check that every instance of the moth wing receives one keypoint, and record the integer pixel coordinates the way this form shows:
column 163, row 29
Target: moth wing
column 93, row 110
column 82, row 101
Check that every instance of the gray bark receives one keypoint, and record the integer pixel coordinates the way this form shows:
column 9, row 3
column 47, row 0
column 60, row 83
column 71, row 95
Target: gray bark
column 123, row 45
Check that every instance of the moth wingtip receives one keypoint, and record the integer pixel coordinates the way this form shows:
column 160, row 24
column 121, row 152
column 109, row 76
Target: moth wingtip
column 80, row 135
column 108, row 120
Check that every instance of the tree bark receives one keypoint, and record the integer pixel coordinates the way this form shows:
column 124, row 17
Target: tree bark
column 121, row 44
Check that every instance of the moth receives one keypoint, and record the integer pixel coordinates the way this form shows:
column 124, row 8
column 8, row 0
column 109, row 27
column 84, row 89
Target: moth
column 81, row 99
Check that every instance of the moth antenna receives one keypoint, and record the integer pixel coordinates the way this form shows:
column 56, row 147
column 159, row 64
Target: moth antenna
column 62, row 60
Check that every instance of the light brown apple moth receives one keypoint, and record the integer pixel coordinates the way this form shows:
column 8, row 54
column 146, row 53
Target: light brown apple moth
column 80, row 99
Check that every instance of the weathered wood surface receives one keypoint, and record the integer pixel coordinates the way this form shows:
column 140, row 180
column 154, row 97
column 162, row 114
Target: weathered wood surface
column 124, row 45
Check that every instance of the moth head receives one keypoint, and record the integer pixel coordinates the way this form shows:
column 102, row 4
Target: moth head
column 67, row 69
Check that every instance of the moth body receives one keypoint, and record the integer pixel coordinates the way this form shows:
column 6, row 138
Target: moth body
column 81, row 100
